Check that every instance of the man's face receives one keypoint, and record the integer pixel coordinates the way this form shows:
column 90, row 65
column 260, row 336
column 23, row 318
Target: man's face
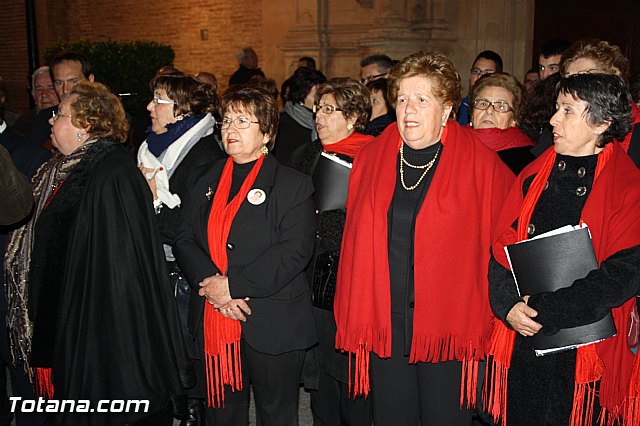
column 479, row 68
column 250, row 59
column 372, row 72
column 548, row 66
column 43, row 93
column 530, row 81
column 67, row 74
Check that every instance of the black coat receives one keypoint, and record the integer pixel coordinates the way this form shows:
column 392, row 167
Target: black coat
column 268, row 248
column 201, row 157
column 104, row 315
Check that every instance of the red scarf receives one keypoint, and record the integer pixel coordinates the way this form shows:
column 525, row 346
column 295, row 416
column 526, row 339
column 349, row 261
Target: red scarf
column 348, row 146
column 609, row 361
column 500, row 139
column 635, row 116
column 452, row 317
column 222, row 335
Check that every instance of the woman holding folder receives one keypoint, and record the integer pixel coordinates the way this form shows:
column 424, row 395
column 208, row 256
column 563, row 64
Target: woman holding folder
column 584, row 178
column 342, row 108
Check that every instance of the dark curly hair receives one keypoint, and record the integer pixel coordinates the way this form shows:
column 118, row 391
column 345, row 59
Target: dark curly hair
column 434, row 66
column 100, row 110
column 608, row 100
column 539, row 107
column 256, row 101
column 191, row 96
column 301, row 83
column 352, row 97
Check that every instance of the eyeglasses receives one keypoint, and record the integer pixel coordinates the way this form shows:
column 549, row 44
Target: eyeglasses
column 240, row 123
column 57, row 114
column 499, row 106
column 326, row 108
column 365, row 80
column 157, row 101
column 478, row 71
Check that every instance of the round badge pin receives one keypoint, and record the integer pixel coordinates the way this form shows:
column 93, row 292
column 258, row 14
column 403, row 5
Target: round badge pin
column 256, row 196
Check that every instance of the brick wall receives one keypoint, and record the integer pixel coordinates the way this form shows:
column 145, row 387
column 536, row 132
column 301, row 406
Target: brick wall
column 230, row 25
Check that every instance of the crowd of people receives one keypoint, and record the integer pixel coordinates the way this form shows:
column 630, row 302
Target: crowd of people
column 342, row 235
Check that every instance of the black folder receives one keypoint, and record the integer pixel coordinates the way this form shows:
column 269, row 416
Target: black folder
column 331, row 181
column 549, row 263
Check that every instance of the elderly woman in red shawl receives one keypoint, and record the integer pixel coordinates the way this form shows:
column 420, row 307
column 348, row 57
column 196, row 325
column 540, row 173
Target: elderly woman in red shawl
column 412, row 281
column 584, row 178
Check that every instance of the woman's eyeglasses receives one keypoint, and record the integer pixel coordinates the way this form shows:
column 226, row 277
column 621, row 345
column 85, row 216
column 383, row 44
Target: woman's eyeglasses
column 498, row 106
column 326, row 109
column 157, row 101
column 57, row 114
column 240, row 123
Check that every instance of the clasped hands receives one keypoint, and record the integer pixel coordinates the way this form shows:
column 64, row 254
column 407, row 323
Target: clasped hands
column 216, row 291
column 520, row 318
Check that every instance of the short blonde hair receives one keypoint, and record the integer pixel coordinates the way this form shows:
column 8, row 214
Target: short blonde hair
column 434, row 66
column 99, row 110
column 608, row 56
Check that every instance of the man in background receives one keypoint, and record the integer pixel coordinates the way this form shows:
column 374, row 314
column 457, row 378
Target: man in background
column 487, row 62
column 550, row 57
column 374, row 67
column 248, row 60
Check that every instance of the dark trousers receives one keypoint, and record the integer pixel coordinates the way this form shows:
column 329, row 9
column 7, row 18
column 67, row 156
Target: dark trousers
column 415, row 394
column 275, row 380
column 332, row 406
column 20, row 386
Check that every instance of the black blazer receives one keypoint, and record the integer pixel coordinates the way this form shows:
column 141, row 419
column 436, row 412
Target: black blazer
column 268, row 248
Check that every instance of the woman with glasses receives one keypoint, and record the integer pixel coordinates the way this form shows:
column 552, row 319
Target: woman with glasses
column 585, row 178
column 497, row 100
column 342, row 110
column 179, row 148
column 412, row 292
column 104, row 323
column 243, row 244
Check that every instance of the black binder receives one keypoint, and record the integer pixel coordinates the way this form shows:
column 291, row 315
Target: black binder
column 331, row 181
column 548, row 263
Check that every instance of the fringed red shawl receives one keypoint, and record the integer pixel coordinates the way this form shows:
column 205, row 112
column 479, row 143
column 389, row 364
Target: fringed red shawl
column 452, row 316
column 611, row 212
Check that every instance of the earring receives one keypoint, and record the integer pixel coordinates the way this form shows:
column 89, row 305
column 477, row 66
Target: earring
column 471, row 124
column 444, row 123
column 78, row 136
column 180, row 117
column 349, row 126
column 265, row 150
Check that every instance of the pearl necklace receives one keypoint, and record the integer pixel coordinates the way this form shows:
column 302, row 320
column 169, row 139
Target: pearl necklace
column 427, row 167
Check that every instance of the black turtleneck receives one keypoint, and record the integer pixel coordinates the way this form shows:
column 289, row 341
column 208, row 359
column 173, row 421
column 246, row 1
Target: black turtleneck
column 401, row 219
column 240, row 173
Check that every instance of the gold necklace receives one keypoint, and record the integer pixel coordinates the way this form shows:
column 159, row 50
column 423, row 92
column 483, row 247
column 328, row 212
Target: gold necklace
column 427, row 167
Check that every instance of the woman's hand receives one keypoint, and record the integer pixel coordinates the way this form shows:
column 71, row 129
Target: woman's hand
column 236, row 309
column 150, row 175
column 216, row 290
column 519, row 317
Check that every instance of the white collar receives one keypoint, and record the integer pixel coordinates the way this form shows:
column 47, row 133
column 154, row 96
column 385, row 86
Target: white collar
column 3, row 127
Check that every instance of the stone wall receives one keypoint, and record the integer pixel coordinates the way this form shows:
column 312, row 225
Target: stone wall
column 207, row 34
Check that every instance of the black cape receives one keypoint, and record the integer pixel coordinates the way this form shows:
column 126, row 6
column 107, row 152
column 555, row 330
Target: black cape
column 104, row 315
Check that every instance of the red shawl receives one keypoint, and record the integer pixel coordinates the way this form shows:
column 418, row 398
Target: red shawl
column 222, row 335
column 500, row 139
column 452, row 317
column 635, row 116
column 611, row 212
column 348, row 146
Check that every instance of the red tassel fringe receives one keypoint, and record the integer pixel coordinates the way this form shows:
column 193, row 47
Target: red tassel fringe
column 222, row 353
column 44, row 383
column 494, row 394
